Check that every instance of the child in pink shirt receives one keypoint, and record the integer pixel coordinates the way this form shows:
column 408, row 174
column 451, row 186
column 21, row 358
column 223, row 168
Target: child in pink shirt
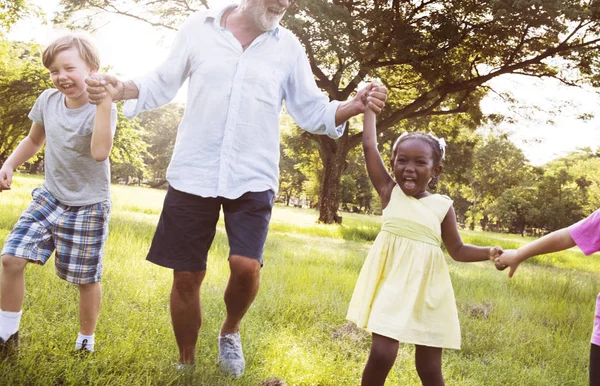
column 586, row 235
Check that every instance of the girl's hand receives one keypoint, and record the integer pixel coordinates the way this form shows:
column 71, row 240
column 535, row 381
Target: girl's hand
column 496, row 252
column 372, row 97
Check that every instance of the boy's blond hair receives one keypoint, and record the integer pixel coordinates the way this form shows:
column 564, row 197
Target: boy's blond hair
column 87, row 50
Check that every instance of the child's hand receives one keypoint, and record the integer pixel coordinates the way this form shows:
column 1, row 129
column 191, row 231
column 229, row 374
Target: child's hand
column 111, row 91
column 372, row 97
column 510, row 259
column 496, row 252
column 6, row 174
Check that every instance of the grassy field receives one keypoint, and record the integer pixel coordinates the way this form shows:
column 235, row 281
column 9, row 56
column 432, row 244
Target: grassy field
column 531, row 330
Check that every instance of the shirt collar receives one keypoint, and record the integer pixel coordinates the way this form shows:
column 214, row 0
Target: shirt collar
column 215, row 15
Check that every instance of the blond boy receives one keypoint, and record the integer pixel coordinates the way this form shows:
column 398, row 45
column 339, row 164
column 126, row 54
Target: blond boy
column 69, row 213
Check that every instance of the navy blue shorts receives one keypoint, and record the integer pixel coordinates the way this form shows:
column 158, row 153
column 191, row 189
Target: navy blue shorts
column 187, row 227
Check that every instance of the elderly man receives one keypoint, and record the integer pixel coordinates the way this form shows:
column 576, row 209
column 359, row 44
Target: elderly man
column 241, row 66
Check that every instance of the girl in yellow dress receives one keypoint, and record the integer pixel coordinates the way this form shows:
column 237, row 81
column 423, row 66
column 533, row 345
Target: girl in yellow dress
column 403, row 292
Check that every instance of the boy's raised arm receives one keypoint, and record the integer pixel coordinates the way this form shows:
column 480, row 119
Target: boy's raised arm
column 102, row 136
column 26, row 149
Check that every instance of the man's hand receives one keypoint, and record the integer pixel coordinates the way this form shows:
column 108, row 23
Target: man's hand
column 101, row 85
column 373, row 95
column 6, row 174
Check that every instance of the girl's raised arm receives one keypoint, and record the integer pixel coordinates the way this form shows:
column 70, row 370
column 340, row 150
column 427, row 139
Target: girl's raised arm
column 378, row 173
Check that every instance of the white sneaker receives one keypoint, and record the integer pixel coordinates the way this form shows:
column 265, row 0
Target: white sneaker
column 231, row 357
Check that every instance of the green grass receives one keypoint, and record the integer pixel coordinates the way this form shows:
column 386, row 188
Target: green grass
column 531, row 330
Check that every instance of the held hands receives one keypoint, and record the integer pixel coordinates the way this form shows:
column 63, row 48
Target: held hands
column 100, row 86
column 509, row 258
column 6, row 174
column 495, row 253
column 372, row 97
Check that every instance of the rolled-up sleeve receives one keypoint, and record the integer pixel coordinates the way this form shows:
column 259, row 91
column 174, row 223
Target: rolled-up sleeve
column 160, row 86
column 306, row 103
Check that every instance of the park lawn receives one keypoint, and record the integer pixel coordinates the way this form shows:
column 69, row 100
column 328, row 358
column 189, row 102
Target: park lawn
column 531, row 330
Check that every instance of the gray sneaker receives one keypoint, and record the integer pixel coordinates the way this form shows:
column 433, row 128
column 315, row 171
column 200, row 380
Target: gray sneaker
column 231, row 357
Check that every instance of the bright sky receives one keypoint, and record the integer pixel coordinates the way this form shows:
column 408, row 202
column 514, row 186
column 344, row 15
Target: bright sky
column 133, row 48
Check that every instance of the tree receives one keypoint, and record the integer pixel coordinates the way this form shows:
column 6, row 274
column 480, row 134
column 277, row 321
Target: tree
column 129, row 150
column 22, row 80
column 299, row 168
column 434, row 56
column 13, row 10
column 562, row 194
column 291, row 179
column 498, row 165
column 515, row 209
column 160, row 131
column 584, row 166
column 356, row 194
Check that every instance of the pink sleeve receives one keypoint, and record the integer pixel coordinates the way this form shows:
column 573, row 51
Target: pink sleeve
column 586, row 233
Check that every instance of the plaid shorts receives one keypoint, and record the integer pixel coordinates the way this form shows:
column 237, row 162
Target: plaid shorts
column 77, row 233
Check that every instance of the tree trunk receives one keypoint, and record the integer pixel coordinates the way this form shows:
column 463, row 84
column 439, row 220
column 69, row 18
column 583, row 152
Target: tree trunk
column 333, row 154
column 473, row 213
column 157, row 184
column 522, row 230
column 484, row 222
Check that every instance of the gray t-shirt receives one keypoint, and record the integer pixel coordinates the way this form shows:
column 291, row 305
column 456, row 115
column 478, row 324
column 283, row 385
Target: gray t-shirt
column 72, row 175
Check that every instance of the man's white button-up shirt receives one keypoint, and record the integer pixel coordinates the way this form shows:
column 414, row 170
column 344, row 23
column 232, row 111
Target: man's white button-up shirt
column 228, row 140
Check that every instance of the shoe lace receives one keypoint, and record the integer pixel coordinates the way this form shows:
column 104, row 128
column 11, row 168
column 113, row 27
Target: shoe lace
column 231, row 347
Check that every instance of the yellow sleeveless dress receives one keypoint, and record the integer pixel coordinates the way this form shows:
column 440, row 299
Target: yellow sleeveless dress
column 404, row 291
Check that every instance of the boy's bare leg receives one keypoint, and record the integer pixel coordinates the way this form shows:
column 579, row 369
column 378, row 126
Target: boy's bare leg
column 90, row 297
column 12, row 283
column 186, row 314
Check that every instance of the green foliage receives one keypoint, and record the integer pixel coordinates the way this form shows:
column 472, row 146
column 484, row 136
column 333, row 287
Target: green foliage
column 515, row 209
column 22, row 80
column 160, row 131
column 13, row 10
column 357, row 192
column 129, row 150
column 563, row 192
column 498, row 165
column 291, row 179
column 159, row 13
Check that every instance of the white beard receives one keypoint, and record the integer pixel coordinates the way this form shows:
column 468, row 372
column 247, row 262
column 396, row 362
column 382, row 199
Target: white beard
column 264, row 20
